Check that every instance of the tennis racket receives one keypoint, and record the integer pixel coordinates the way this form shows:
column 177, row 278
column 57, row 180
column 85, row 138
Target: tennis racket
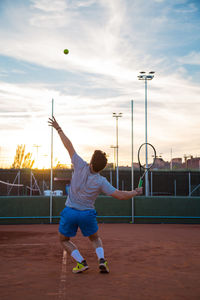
column 148, row 150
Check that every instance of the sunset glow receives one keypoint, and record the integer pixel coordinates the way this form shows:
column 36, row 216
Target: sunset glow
column 109, row 43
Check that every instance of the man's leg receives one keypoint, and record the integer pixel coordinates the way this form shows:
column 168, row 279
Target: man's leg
column 98, row 246
column 74, row 252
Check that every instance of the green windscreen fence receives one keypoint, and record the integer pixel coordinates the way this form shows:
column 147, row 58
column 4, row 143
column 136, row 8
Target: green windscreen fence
column 30, row 210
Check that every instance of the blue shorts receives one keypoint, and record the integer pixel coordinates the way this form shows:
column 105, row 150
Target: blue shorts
column 72, row 218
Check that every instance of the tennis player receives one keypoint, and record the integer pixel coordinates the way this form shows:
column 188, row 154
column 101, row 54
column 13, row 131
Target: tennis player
column 86, row 185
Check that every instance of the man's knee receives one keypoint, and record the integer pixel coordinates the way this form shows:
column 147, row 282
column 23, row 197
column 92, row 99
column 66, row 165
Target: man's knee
column 94, row 237
column 63, row 238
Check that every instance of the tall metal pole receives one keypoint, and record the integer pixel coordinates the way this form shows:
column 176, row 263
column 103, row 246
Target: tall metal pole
column 51, row 183
column 171, row 167
column 117, row 145
column 114, row 163
column 145, row 77
column 114, row 157
column 117, row 148
column 146, row 140
column 132, row 169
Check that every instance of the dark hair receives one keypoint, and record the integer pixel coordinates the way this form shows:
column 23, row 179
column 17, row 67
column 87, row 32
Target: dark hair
column 98, row 160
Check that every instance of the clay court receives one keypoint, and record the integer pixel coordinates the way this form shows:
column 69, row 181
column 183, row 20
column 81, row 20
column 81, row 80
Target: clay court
column 147, row 261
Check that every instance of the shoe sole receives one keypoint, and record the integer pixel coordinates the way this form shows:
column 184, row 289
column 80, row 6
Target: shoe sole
column 80, row 271
column 103, row 269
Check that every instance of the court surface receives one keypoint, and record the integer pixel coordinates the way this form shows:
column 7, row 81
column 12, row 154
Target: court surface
column 146, row 262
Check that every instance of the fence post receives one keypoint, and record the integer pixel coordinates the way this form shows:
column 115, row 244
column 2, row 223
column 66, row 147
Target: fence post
column 110, row 176
column 175, row 187
column 31, row 184
column 122, row 185
column 189, row 177
column 18, row 175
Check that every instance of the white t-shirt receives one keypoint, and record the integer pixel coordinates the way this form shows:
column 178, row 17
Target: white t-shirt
column 86, row 186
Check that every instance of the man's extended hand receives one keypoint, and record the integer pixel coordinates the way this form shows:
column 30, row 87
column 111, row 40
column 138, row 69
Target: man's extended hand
column 52, row 122
column 139, row 191
column 67, row 143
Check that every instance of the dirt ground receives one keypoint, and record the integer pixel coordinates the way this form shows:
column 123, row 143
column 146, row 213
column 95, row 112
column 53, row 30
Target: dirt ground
column 158, row 262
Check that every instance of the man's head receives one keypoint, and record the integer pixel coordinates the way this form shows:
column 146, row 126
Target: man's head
column 98, row 161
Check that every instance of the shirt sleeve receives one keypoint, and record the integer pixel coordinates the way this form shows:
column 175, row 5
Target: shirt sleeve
column 106, row 187
column 78, row 162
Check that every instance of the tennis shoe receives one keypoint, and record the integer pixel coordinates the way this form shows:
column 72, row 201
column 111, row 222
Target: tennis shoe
column 80, row 267
column 103, row 266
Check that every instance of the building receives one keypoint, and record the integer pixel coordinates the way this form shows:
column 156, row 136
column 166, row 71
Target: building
column 193, row 163
column 176, row 163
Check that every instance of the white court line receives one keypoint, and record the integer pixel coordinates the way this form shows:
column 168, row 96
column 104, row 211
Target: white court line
column 62, row 287
column 4, row 245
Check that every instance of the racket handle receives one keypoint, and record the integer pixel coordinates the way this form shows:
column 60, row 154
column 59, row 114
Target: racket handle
column 140, row 183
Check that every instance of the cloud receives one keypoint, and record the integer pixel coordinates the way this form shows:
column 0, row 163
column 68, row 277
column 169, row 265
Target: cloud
column 109, row 43
column 93, row 48
column 49, row 14
column 49, row 6
column 83, row 3
column 193, row 58
column 104, row 45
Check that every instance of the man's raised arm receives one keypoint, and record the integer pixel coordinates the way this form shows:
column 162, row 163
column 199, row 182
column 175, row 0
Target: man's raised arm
column 66, row 142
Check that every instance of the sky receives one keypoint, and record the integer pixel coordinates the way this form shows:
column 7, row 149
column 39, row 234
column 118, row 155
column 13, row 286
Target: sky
column 109, row 42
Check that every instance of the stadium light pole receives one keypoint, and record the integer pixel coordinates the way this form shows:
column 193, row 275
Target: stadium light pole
column 117, row 116
column 114, row 164
column 146, row 77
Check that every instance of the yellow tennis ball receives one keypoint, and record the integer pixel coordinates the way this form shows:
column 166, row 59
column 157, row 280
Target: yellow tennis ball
column 66, row 51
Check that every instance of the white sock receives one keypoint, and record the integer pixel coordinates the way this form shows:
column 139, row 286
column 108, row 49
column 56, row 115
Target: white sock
column 100, row 252
column 77, row 256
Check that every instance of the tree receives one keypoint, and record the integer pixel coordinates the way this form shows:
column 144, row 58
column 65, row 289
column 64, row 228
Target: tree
column 22, row 160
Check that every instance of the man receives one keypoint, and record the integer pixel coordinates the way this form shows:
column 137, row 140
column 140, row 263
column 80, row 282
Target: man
column 86, row 185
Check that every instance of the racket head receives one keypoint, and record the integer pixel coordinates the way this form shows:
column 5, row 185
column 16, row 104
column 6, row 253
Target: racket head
column 149, row 150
